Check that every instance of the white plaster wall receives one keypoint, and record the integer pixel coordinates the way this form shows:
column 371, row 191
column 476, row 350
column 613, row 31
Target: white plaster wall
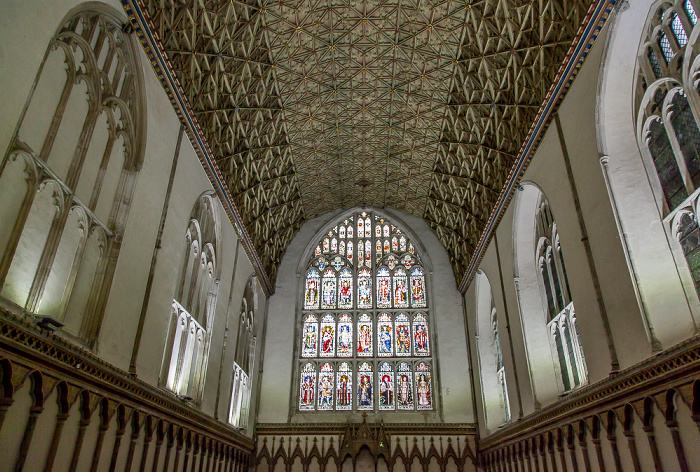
column 537, row 383
column 26, row 28
column 659, row 281
column 451, row 354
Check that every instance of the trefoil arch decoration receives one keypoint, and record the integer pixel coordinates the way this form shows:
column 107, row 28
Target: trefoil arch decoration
column 365, row 339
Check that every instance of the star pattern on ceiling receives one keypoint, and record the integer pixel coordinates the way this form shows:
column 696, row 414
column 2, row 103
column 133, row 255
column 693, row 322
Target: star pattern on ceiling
column 313, row 105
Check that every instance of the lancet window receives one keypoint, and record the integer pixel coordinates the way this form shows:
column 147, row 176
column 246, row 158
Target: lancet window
column 561, row 317
column 241, row 386
column 194, row 304
column 668, row 121
column 68, row 176
column 365, row 337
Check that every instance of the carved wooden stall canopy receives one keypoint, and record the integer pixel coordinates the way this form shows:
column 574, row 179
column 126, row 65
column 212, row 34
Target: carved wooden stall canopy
column 313, row 105
column 449, row 447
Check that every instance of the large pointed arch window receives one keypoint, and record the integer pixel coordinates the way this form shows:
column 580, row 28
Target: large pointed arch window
column 365, row 339
column 668, row 122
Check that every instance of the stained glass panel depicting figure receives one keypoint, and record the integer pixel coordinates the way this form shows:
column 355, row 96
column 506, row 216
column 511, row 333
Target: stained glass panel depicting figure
column 378, row 251
column 403, row 335
column 368, row 228
column 417, row 288
column 394, row 244
column 420, row 335
column 345, row 336
column 386, row 231
column 341, row 232
column 424, row 390
column 327, row 336
column 343, row 389
column 378, row 231
column 345, row 289
column 400, row 289
column 360, row 254
column 386, row 386
column 317, row 252
column 334, row 245
column 349, row 254
column 326, row 246
column 402, row 244
column 364, row 289
column 365, row 397
column 368, row 253
column 328, row 295
column 311, row 297
column 404, row 386
column 364, row 335
column 385, row 338
column 325, row 387
column 309, row 342
column 350, row 231
column 383, row 289
column 387, row 248
column 341, row 248
column 360, row 228
column 307, row 387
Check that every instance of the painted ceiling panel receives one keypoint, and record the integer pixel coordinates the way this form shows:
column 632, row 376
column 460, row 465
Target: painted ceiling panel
column 313, row 105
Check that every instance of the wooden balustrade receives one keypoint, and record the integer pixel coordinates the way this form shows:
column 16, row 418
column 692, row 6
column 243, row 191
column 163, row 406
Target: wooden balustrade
column 60, row 404
column 645, row 418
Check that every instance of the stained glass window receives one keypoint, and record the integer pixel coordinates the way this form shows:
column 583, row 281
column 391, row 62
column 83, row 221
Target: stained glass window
column 310, row 337
column 311, row 295
column 345, row 289
column 325, row 387
column 369, row 348
column 420, row 336
column 385, row 335
column 328, row 297
column 365, row 397
column 424, row 390
column 404, row 387
column 345, row 336
column 364, row 336
column 344, row 387
column 400, row 289
column 403, row 335
column 386, row 386
column 307, row 387
column 327, row 336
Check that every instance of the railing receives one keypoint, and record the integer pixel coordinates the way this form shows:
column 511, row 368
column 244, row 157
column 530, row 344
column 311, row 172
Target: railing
column 645, row 418
column 82, row 407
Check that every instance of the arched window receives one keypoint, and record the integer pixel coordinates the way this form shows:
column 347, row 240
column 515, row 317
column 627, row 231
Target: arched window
column 68, row 176
column 365, row 337
column 561, row 318
column 244, row 358
column 668, row 105
column 194, row 304
column 494, row 390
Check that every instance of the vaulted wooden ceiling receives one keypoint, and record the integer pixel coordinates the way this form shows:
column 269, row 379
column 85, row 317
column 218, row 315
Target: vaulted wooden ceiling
column 313, row 105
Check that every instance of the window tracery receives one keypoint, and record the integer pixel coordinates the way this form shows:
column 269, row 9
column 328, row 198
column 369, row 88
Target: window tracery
column 561, row 318
column 668, row 119
column 194, row 304
column 69, row 172
column 241, row 386
column 365, row 313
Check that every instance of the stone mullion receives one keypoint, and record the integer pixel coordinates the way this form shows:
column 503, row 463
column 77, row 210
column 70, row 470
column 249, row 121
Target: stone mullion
column 106, row 156
column 52, row 132
column 55, row 234
column 8, row 256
